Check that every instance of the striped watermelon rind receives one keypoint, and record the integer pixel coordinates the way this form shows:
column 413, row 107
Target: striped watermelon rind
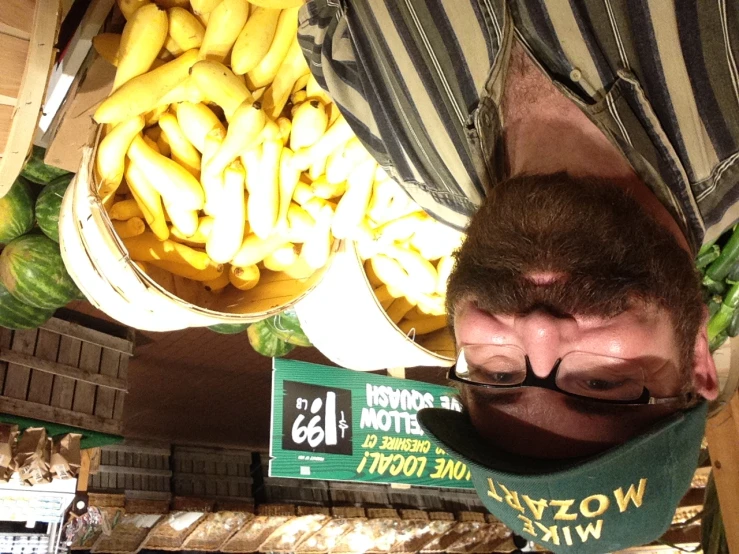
column 37, row 171
column 265, row 342
column 16, row 211
column 229, row 328
column 32, row 270
column 49, row 204
column 17, row 315
column 286, row 326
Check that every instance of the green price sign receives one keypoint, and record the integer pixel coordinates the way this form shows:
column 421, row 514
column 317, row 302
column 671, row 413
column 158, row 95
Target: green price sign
column 336, row 424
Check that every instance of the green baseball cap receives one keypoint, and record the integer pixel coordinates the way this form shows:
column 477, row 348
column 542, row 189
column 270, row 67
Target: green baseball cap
column 623, row 497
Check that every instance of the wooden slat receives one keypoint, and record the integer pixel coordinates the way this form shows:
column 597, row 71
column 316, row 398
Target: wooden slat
column 17, row 141
column 56, row 368
column 17, row 16
column 13, row 52
column 722, row 433
column 120, row 396
column 212, row 478
column 89, row 335
column 105, row 396
column 16, row 379
column 62, row 392
column 6, row 338
column 84, row 393
column 47, row 349
column 137, row 448
column 119, row 470
column 84, row 473
column 6, row 114
column 24, row 408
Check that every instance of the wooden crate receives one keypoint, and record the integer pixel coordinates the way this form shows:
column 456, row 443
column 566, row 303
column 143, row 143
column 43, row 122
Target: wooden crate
column 140, row 470
column 297, row 491
column 212, row 473
column 27, row 35
column 65, row 373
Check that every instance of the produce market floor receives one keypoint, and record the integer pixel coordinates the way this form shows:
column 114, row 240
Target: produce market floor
column 200, row 388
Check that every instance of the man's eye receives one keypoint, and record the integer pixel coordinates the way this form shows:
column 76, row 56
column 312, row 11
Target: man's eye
column 602, row 384
column 500, row 378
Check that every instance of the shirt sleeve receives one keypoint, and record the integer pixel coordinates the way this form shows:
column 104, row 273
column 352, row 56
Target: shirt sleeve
column 352, row 58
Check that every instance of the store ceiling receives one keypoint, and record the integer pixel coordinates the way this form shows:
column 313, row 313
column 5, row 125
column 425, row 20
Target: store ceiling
column 198, row 387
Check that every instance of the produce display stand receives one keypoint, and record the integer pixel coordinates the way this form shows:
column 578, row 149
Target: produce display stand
column 172, row 530
column 215, row 529
column 65, row 373
column 222, row 475
column 42, row 503
column 139, row 470
column 27, row 35
column 127, row 536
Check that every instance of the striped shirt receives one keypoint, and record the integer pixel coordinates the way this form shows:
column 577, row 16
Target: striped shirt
column 420, row 82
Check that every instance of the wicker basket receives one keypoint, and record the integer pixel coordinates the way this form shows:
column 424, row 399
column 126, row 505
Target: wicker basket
column 326, row 539
column 255, row 533
column 213, row 531
column 293, row 532
column 172, row 530
column 455, row 534
column 27, row 36
column 345, row 294
column 127, row 536
column 99, row 263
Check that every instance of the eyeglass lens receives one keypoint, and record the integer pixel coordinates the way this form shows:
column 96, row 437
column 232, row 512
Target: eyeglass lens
column 579, row 373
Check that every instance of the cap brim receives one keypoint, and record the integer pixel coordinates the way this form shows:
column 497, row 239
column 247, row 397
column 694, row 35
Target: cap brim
column 455, row 432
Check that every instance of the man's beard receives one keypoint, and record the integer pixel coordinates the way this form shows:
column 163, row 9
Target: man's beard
column 611, row 253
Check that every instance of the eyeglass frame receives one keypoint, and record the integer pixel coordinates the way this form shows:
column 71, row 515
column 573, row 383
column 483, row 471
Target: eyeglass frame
column 549, row 383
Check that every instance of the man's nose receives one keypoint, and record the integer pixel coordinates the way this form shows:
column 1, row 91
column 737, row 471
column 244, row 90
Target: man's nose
column 542, row 335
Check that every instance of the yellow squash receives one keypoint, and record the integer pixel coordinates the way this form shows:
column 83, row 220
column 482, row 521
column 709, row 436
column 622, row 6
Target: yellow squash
column 224, row 25
column 228, row 217
column 185, row 29
column 143, row 93
column 265, row 71
column 176, row 185
column 219, row 85
column 196, row 121
column 254, row 40
column 111, row 154
column 142, row 39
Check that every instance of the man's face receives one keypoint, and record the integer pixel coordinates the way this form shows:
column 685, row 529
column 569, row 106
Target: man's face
column 554, row 265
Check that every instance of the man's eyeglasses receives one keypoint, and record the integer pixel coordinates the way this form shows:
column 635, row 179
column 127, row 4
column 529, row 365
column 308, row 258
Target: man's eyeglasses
column 592, row 377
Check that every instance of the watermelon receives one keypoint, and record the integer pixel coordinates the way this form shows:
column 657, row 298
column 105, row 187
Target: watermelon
column 37, row 171
column 17, row 315
column 32, row 269
column 49, row 204
column 16, row 211
column 287, row 327
column 265, row 342
column 229, row 328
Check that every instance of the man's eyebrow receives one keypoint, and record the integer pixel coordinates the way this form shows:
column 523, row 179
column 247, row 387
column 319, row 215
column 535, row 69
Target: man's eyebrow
column 496, row 397
column 592, row 408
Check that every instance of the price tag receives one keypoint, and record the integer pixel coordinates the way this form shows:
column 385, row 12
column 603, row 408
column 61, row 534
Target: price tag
column 316, row 418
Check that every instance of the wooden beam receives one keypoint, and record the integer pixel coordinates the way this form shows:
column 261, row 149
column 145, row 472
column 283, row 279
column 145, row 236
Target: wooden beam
column 24, row 408
column 89, row 335
column 84, row 474
column 62, row 369
column 135, row 471
column 722, row 433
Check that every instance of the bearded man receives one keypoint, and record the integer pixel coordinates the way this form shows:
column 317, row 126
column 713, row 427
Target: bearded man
column 588, row 148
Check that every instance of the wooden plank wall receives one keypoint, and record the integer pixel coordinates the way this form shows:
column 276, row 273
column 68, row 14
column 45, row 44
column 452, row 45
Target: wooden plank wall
column 65, row 373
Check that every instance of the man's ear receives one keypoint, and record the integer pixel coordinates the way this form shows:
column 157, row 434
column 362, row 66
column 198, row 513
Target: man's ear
column 705, row 378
